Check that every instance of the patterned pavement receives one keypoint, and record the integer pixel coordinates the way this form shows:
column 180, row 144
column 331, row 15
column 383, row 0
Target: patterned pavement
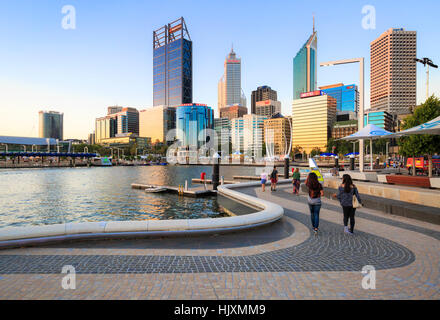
column 280, row 261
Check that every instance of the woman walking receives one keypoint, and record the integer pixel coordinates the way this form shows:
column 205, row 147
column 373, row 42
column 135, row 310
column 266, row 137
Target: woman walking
column 274, row 179
column 314, row 199
column 347, row 193
column 296, row 181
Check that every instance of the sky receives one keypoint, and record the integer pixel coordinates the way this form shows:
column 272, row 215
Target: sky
column 107, row 59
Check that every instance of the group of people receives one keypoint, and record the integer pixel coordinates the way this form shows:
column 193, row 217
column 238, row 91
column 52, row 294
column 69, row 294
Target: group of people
column 348, row 196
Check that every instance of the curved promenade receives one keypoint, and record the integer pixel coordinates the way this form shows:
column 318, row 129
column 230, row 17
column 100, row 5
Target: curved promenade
column 281, row 260
column 270, row 212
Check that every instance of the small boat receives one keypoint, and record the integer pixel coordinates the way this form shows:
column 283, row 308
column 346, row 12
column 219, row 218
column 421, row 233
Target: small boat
column 155, row 189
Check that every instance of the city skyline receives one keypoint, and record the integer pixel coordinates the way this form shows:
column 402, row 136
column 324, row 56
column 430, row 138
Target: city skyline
column 68, row 73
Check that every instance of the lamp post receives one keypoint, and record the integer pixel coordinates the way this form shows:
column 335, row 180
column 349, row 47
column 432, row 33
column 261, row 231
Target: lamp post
column 427, row 63
column 361, row 100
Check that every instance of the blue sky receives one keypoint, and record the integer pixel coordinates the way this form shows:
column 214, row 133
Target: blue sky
column 107, row 59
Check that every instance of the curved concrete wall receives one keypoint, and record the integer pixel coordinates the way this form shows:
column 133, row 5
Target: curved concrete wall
column 13, row 236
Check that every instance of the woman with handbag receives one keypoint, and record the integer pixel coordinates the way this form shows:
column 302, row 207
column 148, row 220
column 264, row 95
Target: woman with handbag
column 350, row 200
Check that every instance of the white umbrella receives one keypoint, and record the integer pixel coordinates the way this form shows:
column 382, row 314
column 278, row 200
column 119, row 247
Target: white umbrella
column 430, row 127
column 369, row 132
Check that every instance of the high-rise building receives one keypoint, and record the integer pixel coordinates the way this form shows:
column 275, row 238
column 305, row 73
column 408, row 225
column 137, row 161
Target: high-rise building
column 237, row 135
column 267, row 108
column 234, row 111
column 229, row 86
column 118, row 124
column 393, row 71
column 51, row 125
column 222, row 127
column 172, row 65
column 381, row 119
column 347, row 97
column 312, row 119
column 156, row 122
column 253, row 134
column 191, row 120
column 277, row 133
column 91, row 138
column 261, row 94
column 305, row 66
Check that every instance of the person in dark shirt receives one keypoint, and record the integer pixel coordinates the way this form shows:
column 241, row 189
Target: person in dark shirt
column 314, row 199
column 274, row 179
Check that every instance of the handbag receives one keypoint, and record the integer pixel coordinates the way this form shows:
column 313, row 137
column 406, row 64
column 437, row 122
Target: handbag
column 356, row 203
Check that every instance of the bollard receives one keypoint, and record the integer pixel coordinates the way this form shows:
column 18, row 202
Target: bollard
column 352, row 163
column 286, row 167
column 216, row 172
column 336, row 162
column 186, row 185
column 223, row 180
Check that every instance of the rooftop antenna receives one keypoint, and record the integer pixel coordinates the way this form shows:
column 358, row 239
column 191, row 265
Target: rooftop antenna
column 313, row 23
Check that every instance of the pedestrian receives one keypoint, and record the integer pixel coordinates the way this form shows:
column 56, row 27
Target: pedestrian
column 263, row 180
column 203, row 179
column 314, row 199
column 274, row 179
column 347, row 193
column 296, row 181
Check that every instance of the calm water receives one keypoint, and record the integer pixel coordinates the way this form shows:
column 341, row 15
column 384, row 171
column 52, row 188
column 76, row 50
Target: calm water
column 51, row 196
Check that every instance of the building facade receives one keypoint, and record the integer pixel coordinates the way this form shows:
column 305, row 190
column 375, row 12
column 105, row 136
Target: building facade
column 393, row 71
column 156, row 122
column 342, row 129
column 305, row 67
column 222, row 127
column 313, row 117
column 191, row 120
column 50, row 125
column 277, row 135
column 172, row 65
column 119, row 123
column 234, row 111
column 347, row 97
column 253, row 135
column 262, row 93
column 382, row 119
column 267, row 108
column 237, row 139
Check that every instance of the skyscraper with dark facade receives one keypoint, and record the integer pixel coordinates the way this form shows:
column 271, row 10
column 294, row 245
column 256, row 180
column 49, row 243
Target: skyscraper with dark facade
column 262, row 93
column 172, row 65
column 51, row 124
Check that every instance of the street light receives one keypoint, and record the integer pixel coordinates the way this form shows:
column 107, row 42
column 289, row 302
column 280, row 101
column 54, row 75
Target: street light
column 427, row 63
column 361, row 100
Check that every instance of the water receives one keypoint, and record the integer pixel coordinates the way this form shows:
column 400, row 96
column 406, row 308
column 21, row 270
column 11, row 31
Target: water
column 62, row 195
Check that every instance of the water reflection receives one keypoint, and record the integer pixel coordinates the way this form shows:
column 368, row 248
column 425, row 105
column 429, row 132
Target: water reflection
column 50, row 196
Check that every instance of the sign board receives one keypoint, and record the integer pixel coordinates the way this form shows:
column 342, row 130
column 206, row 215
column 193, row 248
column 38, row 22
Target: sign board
column 311, row 94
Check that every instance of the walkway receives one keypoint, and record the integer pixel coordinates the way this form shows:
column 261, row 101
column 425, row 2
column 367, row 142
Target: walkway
column 280, row 261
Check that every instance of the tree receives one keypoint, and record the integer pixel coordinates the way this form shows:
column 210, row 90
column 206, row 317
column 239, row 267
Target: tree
column 315, row 151
column 418, row 145
column 342, row 146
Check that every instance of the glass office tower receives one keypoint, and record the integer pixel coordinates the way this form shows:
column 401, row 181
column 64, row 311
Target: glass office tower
column 191, row 119
column 305, row 67
column 51, row 124
column 172, row 65
column 347, row 97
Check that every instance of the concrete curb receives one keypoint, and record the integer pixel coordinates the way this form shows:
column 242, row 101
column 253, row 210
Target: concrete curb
column 19, row 236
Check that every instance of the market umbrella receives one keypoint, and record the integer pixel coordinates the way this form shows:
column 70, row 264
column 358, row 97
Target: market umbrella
column 369, row 132
column 430, row 127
